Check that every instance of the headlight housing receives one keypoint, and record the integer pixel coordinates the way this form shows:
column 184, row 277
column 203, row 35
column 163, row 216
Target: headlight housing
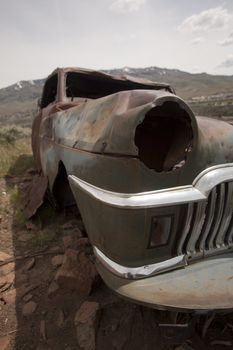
column 160, row 232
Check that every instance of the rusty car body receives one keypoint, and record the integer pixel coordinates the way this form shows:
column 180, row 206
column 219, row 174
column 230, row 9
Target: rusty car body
column 153, row 184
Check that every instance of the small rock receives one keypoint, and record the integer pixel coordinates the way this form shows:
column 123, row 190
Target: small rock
column 57, row 260
column 5, row 287
column 29, row 308
column 68, row 241
column 21, row 278
column 5, row 269
column 2, row 302
column 43, row 330
column 9, row 296
column 2, row 282
column 25, row 289
column 55, row 249
column 81, row 242
column 77, row 272
column 69, row 225
column 86, row 337
column 87, row 313
column 30, row 225
column 4, row 342
column 4, row 256
column 71, row 240
column 86, row 319
column 60, row 319
column 9, row 278
column 27, row 297
column 53, row 288
column 29, row 264
column 24, row 237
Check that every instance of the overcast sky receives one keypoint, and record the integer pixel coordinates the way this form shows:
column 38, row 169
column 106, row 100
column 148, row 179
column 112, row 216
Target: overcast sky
column 38, row 36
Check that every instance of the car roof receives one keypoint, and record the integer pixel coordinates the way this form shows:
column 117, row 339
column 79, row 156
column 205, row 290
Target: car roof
column 127, row 79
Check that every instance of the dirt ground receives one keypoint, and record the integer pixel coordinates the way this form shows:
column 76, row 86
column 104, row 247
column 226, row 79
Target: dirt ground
column 38, row 313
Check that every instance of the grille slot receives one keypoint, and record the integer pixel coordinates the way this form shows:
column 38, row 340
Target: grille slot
column 208, row 225
column 186, row 229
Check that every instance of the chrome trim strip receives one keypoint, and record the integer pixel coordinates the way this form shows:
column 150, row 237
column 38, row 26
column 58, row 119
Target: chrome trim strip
column 198, row 191
column 153, row 199
column 226, row 218
column 209, row 219
column 186, row 229
column 213, row 176
column 141, row 271
column 195, row 232
column 230, row 233
column 218, row 217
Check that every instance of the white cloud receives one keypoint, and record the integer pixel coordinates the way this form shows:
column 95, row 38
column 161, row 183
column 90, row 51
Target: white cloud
column 228, row 41
column 197, row 41
column 228, row 63
column 124, row 6
column 214, row 18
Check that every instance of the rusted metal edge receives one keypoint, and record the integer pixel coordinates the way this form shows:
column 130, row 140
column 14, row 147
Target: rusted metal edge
column 35, row 195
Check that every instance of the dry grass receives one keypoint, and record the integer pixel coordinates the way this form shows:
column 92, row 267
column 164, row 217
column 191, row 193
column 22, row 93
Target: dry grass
column 15, row 150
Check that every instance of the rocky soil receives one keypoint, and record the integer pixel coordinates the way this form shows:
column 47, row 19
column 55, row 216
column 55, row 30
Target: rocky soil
column 51, row 296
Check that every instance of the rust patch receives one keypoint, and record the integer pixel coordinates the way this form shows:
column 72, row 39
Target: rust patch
column 35, row 195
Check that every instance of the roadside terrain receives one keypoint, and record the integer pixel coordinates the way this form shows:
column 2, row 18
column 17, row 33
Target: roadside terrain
column 51, row 297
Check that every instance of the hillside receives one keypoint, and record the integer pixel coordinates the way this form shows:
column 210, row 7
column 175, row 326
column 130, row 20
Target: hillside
column 186, row 85
column 18, row 102
column 207, row 94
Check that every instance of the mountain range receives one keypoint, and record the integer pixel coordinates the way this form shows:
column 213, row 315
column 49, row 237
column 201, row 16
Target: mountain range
column 18, row 102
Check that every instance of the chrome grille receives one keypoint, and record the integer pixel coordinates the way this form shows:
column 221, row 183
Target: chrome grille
column 208, row 225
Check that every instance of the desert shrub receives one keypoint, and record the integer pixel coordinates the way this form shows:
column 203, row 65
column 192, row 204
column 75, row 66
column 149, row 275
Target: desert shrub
column 9, row 134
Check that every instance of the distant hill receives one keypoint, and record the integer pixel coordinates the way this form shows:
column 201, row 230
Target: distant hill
column 18, row 102
column 187, row 85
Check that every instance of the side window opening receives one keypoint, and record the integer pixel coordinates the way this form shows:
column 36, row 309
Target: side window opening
column 78, row 87
column 50, row 91
column 81, row 85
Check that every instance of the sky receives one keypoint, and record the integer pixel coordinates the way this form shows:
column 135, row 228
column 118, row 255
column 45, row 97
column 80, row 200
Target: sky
column 38, row 36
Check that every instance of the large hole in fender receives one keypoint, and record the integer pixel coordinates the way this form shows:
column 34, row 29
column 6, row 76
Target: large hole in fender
column 165, row 137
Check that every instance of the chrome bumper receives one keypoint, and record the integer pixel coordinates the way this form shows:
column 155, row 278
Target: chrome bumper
column 142, row 271
column 204, row 286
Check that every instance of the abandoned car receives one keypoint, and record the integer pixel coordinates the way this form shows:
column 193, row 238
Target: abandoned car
column 153, row 184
